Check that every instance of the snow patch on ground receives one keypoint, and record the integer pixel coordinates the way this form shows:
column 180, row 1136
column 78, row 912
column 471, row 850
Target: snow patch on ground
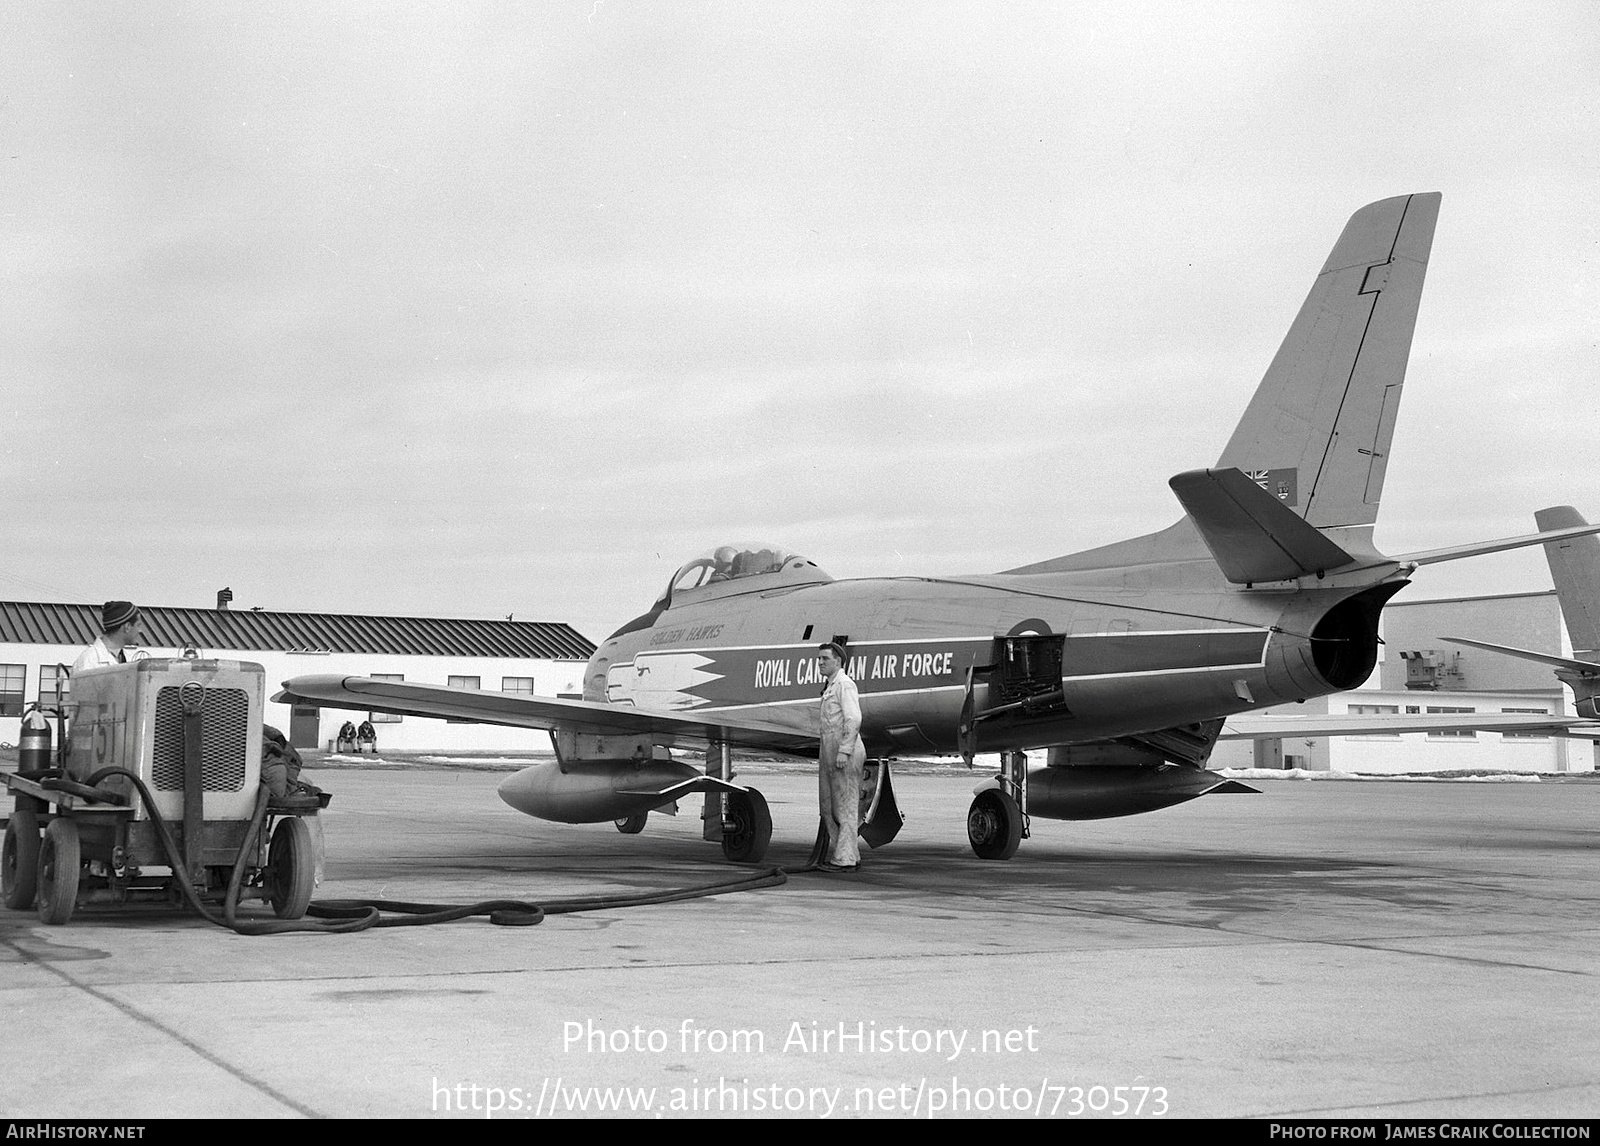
column 1428, row 777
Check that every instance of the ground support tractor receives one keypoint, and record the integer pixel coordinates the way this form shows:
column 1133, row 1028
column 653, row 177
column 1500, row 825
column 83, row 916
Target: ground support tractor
column 156, row 792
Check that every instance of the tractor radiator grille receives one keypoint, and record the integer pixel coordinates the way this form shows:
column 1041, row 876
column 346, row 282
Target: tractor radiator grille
column 224, row 748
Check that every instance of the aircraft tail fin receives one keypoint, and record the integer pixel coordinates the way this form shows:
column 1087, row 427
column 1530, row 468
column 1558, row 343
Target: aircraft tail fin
column 1315, row 437
column 1317, row 432
column 1575, row 569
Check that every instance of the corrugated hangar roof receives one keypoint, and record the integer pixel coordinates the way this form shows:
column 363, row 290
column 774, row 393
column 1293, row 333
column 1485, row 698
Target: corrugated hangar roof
column 211, row 630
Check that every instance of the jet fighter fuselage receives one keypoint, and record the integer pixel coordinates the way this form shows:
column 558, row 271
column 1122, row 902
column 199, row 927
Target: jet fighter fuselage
column 985, row 663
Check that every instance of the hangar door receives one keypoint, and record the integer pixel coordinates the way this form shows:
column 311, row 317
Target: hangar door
column 305, row 726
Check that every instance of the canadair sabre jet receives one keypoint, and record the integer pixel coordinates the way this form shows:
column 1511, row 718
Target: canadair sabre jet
column 1122, row 662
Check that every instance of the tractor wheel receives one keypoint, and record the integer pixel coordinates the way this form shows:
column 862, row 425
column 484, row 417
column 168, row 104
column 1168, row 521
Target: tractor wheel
column 291, row 868
column 19, row 864
column 60, row 864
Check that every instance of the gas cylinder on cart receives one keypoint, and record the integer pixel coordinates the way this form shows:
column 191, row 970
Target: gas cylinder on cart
column 33, row 747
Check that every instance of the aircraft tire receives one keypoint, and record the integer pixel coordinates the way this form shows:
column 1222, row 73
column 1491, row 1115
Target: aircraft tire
column 291, row 868
column 20, row 863
column 60, row 864
column 632, row 825
column 994, row 825
column 746, row 841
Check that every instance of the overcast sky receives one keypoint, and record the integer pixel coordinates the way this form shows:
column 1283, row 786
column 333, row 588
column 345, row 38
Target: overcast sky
column 484, row 309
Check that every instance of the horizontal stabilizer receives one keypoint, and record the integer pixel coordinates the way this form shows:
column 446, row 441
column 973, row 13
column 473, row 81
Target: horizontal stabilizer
column 1252, row 535
column 1583, row 668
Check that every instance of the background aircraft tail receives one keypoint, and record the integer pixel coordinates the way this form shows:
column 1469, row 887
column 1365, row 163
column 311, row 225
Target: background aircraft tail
column 1317, row 432
column 1575, row 569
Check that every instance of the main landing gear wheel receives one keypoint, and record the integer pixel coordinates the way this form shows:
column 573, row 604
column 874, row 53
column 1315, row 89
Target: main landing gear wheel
column 994, row 825
column 632, row 825
column 60, row 864
column 291, row 868
column 748, row 827
column 20, row 860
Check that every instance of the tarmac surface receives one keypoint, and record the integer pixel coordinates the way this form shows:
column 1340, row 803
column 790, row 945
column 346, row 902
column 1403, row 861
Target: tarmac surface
column 1409, row 950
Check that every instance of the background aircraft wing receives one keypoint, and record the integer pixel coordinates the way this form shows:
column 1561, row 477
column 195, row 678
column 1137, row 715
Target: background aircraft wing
column 1587, row 667
column 1268, row 727
column 521, row 710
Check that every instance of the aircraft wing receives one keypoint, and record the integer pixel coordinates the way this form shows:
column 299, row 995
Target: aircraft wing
column 1585, row 668
column 1267, row 727
column 1456, row 552
column 521, row 710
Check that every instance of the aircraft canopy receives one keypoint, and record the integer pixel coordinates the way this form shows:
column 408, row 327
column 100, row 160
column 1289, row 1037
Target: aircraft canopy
column 737, row 562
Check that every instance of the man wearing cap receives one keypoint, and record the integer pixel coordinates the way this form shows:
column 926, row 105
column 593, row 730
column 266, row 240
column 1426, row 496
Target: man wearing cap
column 840, row 761
column 119, row 624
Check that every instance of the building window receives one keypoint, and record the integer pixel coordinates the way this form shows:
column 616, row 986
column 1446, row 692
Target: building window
column 523, row 684
column 466, row 682
column 1529, row 735
column 386, row 717
column 55, row 687
column 1451, row 733
column 12, row 678
column 1375, row 710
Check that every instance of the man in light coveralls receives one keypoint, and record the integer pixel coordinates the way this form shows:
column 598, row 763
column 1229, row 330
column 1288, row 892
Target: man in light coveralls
column 840, row 761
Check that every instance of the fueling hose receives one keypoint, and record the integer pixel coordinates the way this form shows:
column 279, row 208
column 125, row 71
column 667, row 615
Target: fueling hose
column 342, row 916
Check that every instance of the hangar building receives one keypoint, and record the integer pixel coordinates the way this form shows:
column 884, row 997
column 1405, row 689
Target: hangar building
column 1420, row 673
column 38, row 642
